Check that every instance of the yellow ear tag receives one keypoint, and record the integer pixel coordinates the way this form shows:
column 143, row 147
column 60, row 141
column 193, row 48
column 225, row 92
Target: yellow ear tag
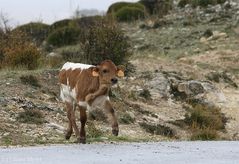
column 95, row 74
column 120, row 73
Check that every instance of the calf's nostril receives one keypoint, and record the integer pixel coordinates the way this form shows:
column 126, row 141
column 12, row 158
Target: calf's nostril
column 114, row 80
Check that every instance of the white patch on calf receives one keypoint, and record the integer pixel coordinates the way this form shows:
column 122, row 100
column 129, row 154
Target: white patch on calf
column 73, row 66
column 67, row 94
column 99, row 102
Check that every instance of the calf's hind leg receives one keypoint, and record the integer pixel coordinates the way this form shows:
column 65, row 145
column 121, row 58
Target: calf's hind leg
column 69, row 130
column 83, row 119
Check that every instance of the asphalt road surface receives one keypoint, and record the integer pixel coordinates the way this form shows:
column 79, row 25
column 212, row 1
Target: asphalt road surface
column 223, row 152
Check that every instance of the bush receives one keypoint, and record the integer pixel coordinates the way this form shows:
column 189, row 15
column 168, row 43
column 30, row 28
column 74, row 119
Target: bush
column 183, row 3
column 204, row 135
column 60, row 24
column 30, row 80
column 158, row 7
column 205, row 117
column 105, row 41
column 87, row 22
column 126, row 119
column 157, row 129
column 93, row 131
column 31, row 117
column 71, row 53
column 18, row 51
column 115, row 7
column 202, row 3
column 36, row 31
column 129, row 14
column 64, row 36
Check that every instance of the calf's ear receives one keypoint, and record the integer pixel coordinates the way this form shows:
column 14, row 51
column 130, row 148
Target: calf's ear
column 120, row 71
column 95, row 72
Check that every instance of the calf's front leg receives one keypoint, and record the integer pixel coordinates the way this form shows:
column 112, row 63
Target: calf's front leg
column 111, row 114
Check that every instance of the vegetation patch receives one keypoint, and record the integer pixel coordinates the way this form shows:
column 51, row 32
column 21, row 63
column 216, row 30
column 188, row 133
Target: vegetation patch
column 205, row 135
column 92, row 130
column 30, row 80
column 105, row 41
column 16, row 50
column 37, row 31
column 157, row 7
column 126, row 119
column 157, row 129
column 97, row 114
column 67, row 35
column 129, row 14
column 145, row 93
column 115, row 7
column 205, row 117
column 202, row 3
column 31, row 116
column 205, row 121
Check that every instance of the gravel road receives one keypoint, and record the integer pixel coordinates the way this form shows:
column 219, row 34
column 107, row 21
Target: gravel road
column 223, row 152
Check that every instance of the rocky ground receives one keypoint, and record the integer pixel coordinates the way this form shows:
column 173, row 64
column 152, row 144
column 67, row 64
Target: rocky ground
column 191, row 55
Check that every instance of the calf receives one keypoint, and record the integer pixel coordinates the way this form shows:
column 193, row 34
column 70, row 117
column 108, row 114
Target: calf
column 86, row 86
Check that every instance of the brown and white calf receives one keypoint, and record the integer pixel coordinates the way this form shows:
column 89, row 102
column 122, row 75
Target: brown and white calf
column 86, row 86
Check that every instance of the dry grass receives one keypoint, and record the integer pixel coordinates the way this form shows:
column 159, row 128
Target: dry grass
column 204, row 122
column 30, row 80
column 158, row 129
column 31, row 117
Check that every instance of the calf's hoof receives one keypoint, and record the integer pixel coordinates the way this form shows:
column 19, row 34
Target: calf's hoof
column 81, row 140
column 115, row 132
column 68, row 135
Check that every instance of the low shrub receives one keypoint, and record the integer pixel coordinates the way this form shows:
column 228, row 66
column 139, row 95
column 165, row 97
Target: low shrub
column 67, row 35
column 202, row 3
column 36, row 31
column 30, row 80
column 205, row 135
column 31, row 117
column 157, row 7
column 93, row 131
column 157, row 129
column 129, row 14
column 18, row 51
column 60, row 24
column 71, row 53
column 115, row 7
column 205, row 117
column 183, row 3
column 145, row 93
column 105, row 41
column 126, row 119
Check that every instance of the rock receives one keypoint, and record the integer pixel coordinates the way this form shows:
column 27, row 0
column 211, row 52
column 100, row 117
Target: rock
column 159, row 86
column 216, row 35
column 53, row 54
column 56, row 126
column 3, row 102
column 208, row 33
column 191, row 88
column 203, row 40
column 6, row 134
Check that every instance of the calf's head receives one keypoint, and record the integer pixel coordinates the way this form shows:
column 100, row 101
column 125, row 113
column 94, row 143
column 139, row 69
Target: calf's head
column 108, row 72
